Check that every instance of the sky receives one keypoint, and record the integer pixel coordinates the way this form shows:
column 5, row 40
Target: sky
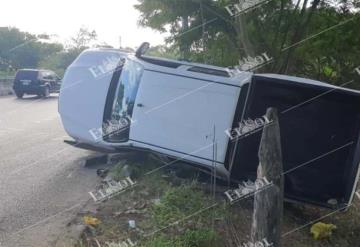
column 109, row 18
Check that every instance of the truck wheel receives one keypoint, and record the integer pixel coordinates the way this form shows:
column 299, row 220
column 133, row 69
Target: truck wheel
column 46, row 92
column 19, row 94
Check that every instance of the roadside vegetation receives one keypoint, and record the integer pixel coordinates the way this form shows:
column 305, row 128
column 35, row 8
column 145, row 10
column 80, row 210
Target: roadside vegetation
column 312, row 39
column 19, row 49
column 176, row 207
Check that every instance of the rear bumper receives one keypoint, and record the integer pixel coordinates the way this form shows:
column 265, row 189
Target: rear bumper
column 31, row 89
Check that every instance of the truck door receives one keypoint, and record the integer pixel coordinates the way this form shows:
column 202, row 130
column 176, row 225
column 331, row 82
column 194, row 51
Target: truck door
column 177, row 113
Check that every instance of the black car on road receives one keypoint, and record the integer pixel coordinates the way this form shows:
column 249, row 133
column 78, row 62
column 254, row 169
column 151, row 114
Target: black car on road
column 36, row 82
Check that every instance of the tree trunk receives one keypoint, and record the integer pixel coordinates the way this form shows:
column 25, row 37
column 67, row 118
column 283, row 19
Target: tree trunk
column 243, row 36
column 299, row 33
column 184, row 47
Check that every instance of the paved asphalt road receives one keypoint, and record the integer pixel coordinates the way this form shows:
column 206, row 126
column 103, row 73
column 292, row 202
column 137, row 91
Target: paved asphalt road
column 42, row 180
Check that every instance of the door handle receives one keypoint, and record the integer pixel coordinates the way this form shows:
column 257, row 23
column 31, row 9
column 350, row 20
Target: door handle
column 140, row 105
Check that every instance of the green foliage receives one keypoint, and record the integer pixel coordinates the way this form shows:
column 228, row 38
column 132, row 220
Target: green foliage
column 164, row 52
column 178, row 17
column 308, row 41
column 332, row 56
column 24, row 50
column 60, row 61
column 191, row 238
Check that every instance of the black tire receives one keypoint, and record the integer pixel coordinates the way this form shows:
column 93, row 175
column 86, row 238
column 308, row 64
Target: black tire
column 19, row 94
column 46, row 92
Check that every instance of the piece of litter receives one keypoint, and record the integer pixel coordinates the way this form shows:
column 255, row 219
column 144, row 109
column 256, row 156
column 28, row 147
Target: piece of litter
column 102, row 172
column 92, row 221
column 156, row 201
column 118, row 213
column 125, row 171
column 321, row 230
column 132, row 224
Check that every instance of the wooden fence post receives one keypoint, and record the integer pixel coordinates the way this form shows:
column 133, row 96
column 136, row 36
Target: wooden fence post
column 268, row 203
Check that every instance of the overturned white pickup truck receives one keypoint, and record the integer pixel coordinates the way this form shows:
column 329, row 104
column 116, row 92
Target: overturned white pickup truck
column 112, row 100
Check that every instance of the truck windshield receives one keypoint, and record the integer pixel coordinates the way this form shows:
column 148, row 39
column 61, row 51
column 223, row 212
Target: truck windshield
column 116, row 126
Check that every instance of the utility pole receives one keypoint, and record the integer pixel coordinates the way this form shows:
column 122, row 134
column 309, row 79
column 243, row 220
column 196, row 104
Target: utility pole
column 120, row 40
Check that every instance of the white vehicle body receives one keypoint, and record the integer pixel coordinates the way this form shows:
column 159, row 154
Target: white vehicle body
column 180, row 108
column 177, row 104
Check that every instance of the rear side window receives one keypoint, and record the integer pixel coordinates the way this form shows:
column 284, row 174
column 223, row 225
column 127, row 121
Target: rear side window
column 26, row 75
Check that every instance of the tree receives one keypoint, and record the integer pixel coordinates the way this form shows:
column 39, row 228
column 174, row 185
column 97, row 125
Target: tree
column 181, row 16
column 61, row 60
column 24, row 50
column 164, row 51
column 304, row 38
column 83, row 38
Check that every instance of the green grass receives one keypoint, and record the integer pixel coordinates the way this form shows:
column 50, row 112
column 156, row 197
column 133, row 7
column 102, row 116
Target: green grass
column 184, row 215
column 178, row 203
column 191, row 238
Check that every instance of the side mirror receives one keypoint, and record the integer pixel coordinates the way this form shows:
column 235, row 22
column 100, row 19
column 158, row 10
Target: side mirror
column 144, row 47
